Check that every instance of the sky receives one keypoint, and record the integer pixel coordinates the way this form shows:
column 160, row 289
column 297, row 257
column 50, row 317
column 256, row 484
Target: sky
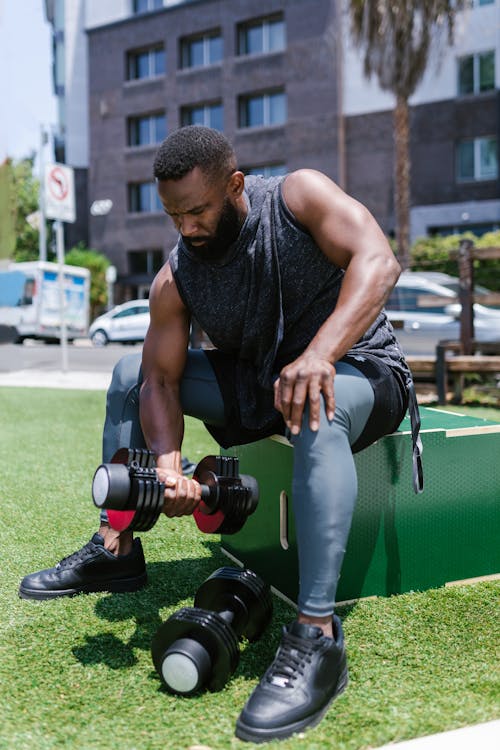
column 26, row 96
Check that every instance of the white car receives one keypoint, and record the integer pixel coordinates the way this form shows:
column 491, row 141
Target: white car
column 419, row 326
column 125, row 323
column 453, row 283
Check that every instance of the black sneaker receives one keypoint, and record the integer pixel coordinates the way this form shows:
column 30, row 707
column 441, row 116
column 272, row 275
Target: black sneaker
column 187, row 466
column 308, row 672
column 91, row 568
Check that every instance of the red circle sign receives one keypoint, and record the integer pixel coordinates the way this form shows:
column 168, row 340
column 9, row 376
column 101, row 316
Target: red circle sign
column 58, row 184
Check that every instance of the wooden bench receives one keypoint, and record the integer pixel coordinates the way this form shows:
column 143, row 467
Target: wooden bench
column 449, row 361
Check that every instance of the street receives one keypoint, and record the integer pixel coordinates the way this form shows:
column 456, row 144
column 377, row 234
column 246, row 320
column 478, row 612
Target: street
column 82, row 356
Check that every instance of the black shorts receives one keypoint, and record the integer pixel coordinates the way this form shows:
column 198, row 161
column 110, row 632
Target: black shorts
column 389, row 408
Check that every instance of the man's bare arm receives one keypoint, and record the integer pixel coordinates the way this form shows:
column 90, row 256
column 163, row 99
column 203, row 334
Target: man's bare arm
column 162, row 419
column 351, row 238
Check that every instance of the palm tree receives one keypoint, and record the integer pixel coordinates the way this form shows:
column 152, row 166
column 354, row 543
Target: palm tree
column 396, row 37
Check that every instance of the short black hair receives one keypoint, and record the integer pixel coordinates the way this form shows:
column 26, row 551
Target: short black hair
column 194, row 146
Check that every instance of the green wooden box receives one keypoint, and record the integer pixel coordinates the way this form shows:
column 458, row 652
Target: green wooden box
column 399, row 541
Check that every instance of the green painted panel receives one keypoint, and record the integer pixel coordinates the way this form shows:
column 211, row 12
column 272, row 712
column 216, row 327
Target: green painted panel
column 399, row 541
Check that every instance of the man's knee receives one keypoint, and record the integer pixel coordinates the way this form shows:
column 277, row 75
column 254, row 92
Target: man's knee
column 340, row 423
column 125, row 373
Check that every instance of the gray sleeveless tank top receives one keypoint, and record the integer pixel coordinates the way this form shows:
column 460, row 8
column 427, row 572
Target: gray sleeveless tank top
column 265, row 300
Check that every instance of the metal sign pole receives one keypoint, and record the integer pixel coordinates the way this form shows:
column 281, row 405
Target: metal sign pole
column 42, row 237
column 60, row 205
column 110, row 281
column 62, row 295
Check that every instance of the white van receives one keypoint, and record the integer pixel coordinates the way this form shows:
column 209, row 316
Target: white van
column 30, row 301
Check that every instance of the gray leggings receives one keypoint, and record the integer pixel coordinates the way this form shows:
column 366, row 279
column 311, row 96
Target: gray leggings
column 324, row 475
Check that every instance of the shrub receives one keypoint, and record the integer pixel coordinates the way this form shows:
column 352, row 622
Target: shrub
column 434, row 254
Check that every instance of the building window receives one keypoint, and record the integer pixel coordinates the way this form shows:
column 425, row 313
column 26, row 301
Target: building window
column 261, row 35
column 261, row 110
column 146, row 63
column 146, row 130
column 476, row 73
column 202, row 50
column 143, row 198
column 478, row 3
column 145, row 261
column 143, row 6
column 210, row 115
column 269, row 170
column 477, row 229
column 477, row 159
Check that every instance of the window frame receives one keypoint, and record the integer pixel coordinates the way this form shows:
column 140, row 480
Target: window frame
column 206, row 107
column 152, row 267
column 151, row 6
column 475, row 57
column 477, row 176
column 408, row 298
column 133, row 121
column 132, row 57
column 264, row 22
column 266, row 170
column 205, row 37
column 243, row 101
column 135, row 198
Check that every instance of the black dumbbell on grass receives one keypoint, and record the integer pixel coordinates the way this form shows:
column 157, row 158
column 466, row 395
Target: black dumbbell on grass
column 132, row 494
column 197, row 647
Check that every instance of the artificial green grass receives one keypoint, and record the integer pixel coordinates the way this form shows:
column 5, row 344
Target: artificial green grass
column 77, row 673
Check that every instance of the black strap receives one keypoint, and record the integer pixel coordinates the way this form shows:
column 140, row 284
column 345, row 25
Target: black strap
column 418, row 470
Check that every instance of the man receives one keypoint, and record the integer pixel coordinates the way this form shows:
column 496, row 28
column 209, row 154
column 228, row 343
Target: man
column 288, row 276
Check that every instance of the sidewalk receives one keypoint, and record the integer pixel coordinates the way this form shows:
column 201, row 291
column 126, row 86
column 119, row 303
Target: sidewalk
column 96, row 381
column 76, row 380
column 482, row 736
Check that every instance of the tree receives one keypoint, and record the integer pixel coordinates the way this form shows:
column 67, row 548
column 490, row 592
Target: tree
column 25, row 198
column 7, row 211
column 96, row 263
column 24, row 194
column 396, row 38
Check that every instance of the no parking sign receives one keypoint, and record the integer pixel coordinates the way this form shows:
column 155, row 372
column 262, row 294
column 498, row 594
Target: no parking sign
column 59, row 193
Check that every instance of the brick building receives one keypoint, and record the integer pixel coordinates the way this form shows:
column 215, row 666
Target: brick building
column 285, row 84
column 264, row 79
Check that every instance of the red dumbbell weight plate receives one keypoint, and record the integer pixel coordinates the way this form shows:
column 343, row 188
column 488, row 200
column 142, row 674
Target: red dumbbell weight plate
column 207, row 522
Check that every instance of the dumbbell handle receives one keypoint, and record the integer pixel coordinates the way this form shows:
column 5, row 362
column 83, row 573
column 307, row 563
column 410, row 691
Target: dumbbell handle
column 111, row 488
column 112, row 484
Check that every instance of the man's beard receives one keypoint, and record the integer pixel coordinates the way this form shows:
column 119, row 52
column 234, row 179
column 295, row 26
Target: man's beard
column 215, row 248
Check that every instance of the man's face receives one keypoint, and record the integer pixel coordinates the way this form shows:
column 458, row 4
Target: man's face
column 206, row 213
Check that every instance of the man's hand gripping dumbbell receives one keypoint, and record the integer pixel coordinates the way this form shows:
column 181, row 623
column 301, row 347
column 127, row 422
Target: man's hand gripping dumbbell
column 132, row 490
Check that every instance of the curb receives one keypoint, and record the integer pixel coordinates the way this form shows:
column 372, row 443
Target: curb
column 75, row 380
column 484, row 736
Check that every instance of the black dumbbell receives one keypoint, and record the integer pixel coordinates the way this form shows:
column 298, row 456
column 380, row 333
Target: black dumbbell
column 197, row 647
column 133, row 496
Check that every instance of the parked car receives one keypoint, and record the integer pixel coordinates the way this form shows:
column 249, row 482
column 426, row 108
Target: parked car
column 125, row 324
column 453, row 283
column 420, row 326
